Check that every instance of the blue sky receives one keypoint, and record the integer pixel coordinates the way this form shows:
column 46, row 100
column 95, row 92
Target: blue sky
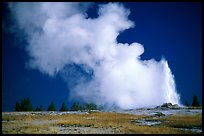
column 170, row 30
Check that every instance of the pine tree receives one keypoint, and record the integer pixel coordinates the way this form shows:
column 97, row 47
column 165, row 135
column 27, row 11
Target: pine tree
column 75, row 106
column 186, row 103
column 17, row 107
column 195, row 101
column 90, row 106
column 39, row 108
column 51, row 107
column 63, row 108
column 26, row 105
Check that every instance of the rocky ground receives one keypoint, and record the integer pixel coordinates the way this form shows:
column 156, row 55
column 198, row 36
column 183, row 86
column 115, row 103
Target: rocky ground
column 166, row 112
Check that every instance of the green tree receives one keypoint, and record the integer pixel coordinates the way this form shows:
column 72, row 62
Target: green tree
column 17, row 106
column 51, row 107
column 63, row 108
column 39, row 108
column 26, row 105
column 90, row 106
column 82, row 107
column 195, row 101
column 75, row 106
column 186, row 103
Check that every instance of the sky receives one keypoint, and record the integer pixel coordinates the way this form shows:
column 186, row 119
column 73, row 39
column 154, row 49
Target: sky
column 165, row 30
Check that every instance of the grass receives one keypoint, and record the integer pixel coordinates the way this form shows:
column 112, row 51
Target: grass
column 119, row 123
column 187, row 121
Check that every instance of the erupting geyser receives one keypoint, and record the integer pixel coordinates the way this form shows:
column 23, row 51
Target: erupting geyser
column 61, row 35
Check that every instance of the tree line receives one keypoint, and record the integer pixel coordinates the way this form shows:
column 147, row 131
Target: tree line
column 26, row 105
column 195, row 102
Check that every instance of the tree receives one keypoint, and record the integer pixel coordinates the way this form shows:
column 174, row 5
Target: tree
column 63, row 108
column 90, row 106
column 75, row 106
column 186, row 103
column 26, row 105
column 51, row 107
column 195, row 101
column 17, row 107
column 39, row 108
column 82, row 107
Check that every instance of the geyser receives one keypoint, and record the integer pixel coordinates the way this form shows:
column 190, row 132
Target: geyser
column 61, row 35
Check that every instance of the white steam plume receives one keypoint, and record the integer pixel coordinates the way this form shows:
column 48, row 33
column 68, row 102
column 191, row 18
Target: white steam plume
column 61, row 34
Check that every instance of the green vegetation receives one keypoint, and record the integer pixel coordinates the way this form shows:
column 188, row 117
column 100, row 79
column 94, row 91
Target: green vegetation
column 64, row 107
column 51, row 107
column 90, row 106
column 195, row 102
column 75, row 106
column 87, row 106
column 17, row 107
column 186, row 103
column 24, row 106
column 39, row 108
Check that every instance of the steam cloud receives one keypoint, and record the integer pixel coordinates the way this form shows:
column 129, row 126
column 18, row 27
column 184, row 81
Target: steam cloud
column 62, row 40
